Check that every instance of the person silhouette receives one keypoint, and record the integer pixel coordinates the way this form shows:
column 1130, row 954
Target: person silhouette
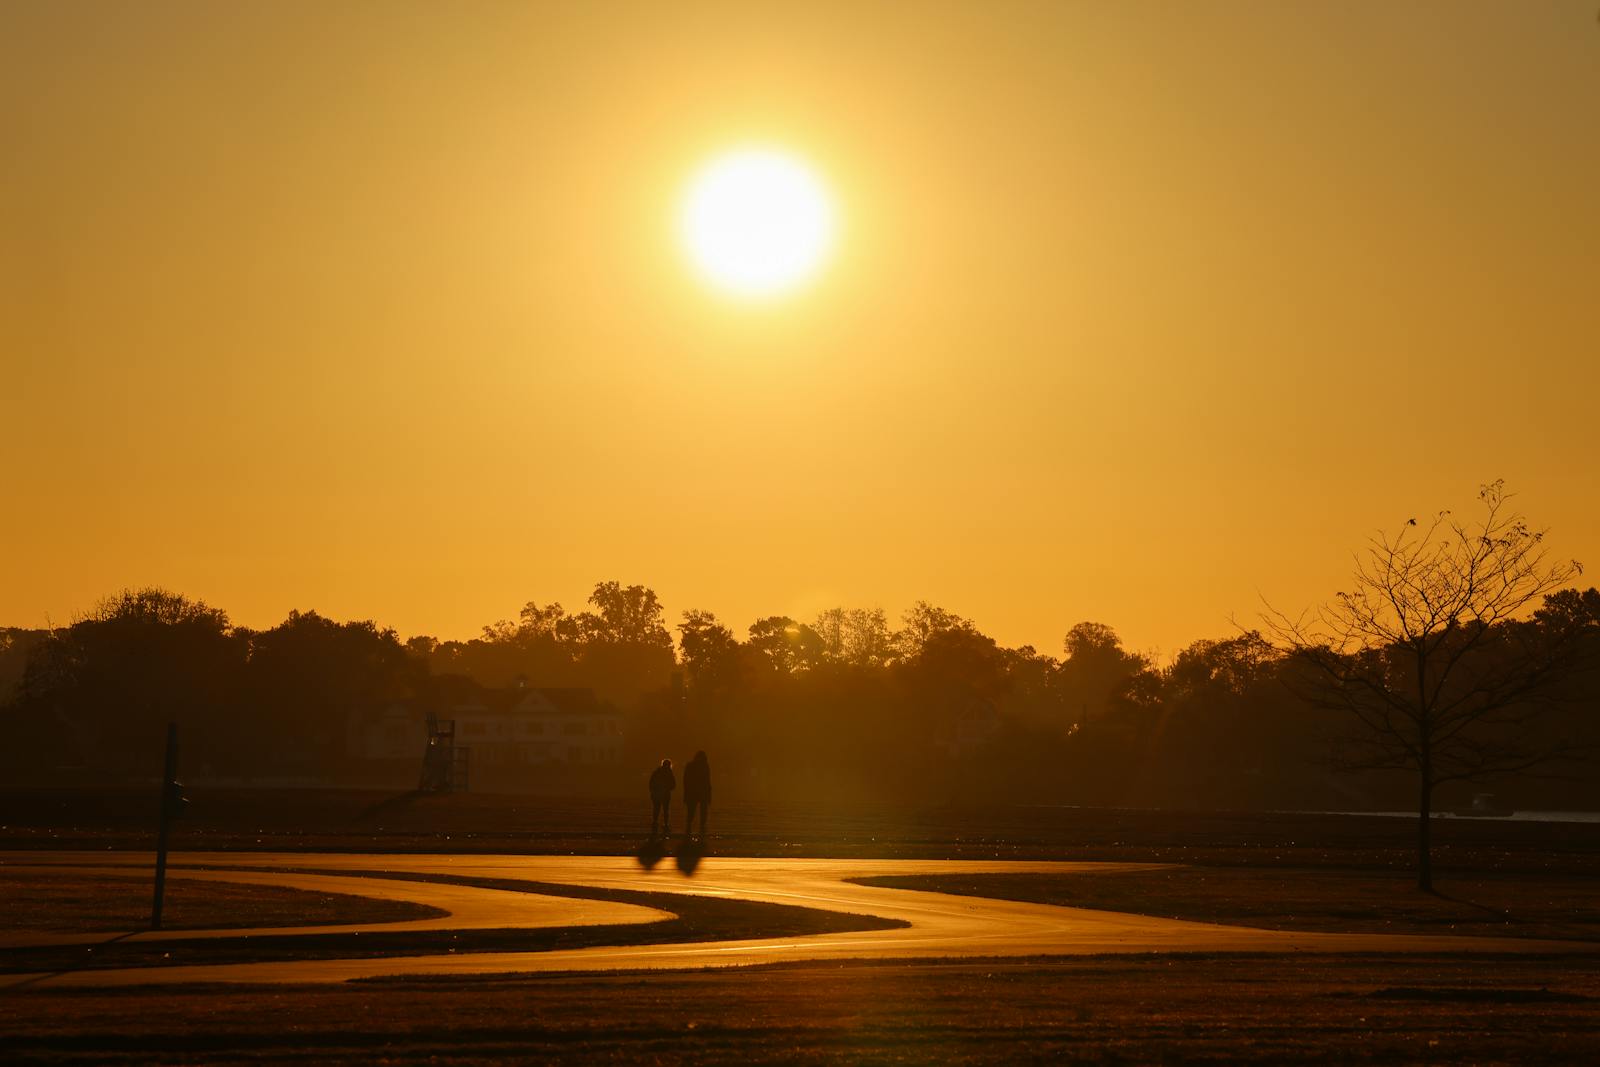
column 662, row 783
column 696, row 793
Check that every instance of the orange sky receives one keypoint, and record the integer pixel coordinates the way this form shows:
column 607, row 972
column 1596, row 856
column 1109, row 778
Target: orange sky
column 1139, row 310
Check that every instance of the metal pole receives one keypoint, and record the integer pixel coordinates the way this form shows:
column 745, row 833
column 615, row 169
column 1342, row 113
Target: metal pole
column 167, row 778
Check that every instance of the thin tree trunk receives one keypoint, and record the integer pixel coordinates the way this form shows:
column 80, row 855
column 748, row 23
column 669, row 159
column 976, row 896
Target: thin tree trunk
column 1424, row 825
column 1424, row 773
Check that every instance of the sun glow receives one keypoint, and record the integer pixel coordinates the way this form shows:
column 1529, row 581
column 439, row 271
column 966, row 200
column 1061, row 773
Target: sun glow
column 757, row 223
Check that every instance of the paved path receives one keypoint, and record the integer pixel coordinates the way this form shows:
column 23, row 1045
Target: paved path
column 940, row 925
column 467, row 907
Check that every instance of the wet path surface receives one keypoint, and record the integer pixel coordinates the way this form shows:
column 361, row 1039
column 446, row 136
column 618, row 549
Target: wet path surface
column 940, row 925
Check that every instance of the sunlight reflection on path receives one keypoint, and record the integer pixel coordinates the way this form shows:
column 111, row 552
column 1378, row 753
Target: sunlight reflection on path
column 939, row 925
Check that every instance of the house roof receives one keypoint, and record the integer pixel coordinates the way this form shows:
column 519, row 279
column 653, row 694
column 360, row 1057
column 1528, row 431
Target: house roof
column 457, row 700
column 560, row 702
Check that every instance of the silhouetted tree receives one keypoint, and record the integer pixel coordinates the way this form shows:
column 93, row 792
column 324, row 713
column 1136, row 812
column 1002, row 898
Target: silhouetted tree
column 921, row 622
column 16, row 646
column 624, row 615
column 710, row 652
column 1568, row 609
column 422, row 647
column 1096, row 669
column 307, row 675
column 954, row 661
column 1233, row 665
column 108, row 684
column 855, row 637
column 1033, row 690
column 550, row 621
column 1426, row 657
column 541, row 648
column 624, row 649
column 783, row 645
column 1225, row 732
column 861, row 711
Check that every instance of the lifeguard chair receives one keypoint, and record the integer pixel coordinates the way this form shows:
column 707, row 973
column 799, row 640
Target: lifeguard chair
column 444, row 763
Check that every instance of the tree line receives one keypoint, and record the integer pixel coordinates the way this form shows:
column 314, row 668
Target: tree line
column 1458, row 655
column 847, row 706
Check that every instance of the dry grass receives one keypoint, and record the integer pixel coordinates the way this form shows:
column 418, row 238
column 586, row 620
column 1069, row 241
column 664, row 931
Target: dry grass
column 1293, row 871
column 365, row 821
column 67, row 901
column 1522, row 905
column 1240, row 1009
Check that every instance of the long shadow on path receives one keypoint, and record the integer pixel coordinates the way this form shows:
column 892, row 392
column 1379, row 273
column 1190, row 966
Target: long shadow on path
column 696, row 919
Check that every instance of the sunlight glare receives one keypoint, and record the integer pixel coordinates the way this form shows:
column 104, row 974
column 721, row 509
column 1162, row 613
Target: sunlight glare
column 757, row 222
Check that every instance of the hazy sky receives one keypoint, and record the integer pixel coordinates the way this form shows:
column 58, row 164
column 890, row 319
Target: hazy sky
column 1139, row 310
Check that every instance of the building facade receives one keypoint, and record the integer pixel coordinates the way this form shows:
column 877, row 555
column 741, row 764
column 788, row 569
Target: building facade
column 520, row 726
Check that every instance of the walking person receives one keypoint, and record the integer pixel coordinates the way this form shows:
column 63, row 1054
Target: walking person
column 696, row 793
column 662, row 783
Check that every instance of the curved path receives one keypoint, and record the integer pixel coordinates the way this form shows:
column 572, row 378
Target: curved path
column 941, row 925
column 466, row 907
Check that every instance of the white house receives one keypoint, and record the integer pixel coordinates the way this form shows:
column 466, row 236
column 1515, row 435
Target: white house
column 509, row 727
column 543, row 726
column 970, row 728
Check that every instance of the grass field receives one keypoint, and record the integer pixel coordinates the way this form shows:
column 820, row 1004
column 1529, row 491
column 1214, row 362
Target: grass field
column 1287, row 898
column 64, row 901
column 360, row 821
column 1239, row 1009
column 1314, row 872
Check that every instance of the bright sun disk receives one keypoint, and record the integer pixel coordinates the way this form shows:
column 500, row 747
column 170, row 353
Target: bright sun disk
column 757, row 222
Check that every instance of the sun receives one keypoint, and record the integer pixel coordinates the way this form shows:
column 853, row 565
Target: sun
column 757, row 222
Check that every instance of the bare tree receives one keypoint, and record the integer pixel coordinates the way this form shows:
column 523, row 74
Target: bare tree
column 1430, row 658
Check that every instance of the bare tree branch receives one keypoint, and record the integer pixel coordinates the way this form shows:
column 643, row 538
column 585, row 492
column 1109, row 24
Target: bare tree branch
column 1428, row 656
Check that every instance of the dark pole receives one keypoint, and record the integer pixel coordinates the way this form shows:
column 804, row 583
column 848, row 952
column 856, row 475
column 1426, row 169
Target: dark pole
column 167, row 779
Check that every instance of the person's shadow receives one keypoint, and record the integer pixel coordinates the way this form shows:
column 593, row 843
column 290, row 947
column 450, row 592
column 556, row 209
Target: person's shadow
column 690, row 853
column 651, row 853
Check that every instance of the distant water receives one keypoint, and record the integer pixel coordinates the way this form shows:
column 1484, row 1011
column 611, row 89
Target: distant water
column 1521, row 816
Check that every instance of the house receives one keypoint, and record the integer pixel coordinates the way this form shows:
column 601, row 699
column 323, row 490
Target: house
column 970, row 727
column 518, row 726
column 541, row 726
column 396, row 731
